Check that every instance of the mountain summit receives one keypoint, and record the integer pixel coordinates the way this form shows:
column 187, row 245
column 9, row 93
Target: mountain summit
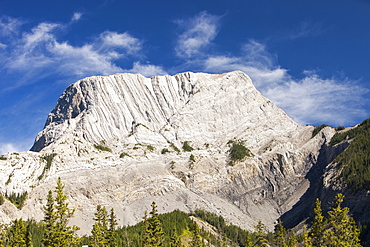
column 188, row 141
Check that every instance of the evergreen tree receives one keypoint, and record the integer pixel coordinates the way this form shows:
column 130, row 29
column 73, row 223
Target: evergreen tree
column 56, row 217
column 17, row 234
column 153, row 232
column 292, row 239
column 248, row 240
column 305, row 238
column 175, row 240
column 112, row 234
column 280, row 234
column 2, row 235
column 29, row 242
column 196, row 240
column 100, row 228
column 341, row 229
column 49, row 219
column 317, row 230
column 261, row 234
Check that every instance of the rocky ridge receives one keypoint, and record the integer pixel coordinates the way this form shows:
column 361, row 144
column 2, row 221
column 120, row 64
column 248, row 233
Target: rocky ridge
column 137, row 118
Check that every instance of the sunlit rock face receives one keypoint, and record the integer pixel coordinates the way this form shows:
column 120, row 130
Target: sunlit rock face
column 110, row 136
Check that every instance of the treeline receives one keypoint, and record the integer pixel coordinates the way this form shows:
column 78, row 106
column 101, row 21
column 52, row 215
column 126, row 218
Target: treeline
column 175, row 229
column 355, row 160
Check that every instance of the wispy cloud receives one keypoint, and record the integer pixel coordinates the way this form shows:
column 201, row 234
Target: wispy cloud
column 147, row 70
column 76, row 16
column 197, row 35
column 39, row 51
column 306, row 29
column 310, row 99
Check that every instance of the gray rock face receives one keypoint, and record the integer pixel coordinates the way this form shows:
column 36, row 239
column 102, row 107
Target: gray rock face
column 138, row 118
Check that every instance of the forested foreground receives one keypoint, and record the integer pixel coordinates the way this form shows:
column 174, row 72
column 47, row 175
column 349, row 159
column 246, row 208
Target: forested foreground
column 175, row 229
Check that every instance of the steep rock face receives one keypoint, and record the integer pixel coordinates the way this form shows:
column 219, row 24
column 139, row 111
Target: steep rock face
column 137, row 118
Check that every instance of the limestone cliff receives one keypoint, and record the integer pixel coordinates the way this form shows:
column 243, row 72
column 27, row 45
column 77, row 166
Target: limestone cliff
column 136, row 120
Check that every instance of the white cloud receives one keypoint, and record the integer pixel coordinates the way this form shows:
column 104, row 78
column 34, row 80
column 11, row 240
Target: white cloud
column 11, row 148
column 121, row 40
column 306, row 29
column 199, row 33
column 9, row 26
column 310, row 99
column 38, row 53
column 147, row 70
column 76, row 16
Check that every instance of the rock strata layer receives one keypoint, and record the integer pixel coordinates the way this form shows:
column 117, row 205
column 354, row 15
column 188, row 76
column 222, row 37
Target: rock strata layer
column 117, row 141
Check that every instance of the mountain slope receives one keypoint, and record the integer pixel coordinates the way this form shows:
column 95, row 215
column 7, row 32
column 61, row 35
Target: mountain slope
column 136, row 120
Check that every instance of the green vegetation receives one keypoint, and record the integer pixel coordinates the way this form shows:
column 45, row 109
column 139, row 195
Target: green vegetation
column 2, row 200
column 192, row 158
column 238, row 152
column 339, row 128
column 165, row 150
column 175, row 229
column 2, row 157
column 17, row 199
column 317, row 129
column 176, row 149
column 48, row 158
column 186, row 147
column 102, row 148
column 123, row 154
column 354, row 161
column 150, row 147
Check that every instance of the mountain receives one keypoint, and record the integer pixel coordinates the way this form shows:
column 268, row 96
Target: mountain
column 125, row 140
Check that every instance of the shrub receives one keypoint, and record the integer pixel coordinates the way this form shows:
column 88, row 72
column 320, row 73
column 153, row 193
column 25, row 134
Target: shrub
column 150, row 147
column 102, row 148
column 192, row 158
column 164, row 150
column 2, row 157
column 123, row 154
column 238, row 152
column 186, row 147
column 2, row 200
column 48, row 158
column 176, row 149
column 339, row 128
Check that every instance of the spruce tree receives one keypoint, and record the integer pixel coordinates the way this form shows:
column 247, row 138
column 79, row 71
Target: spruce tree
column 17, row 234
column 112, row 234
column 49, row 220
column 341, row 229
column 56, row 218
column 2, row 235
column 261, row 234
column 153, row 232
column 317, row 230
column 100, row 228
column 195, row 238
column 174, row 240
column 280, row 234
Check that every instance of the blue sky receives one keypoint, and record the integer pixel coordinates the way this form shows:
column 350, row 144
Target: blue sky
column 311, row 58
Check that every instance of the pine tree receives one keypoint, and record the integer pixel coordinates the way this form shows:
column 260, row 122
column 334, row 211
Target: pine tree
column 112, row 234
column 292, row 239
column 341, row 229
column 29, row 242
column 317, row 230
column 196, row 239
column 175, row 240
column 248, row 240
column 305, row 238
column 49, row 219
column 280, row 234
column 56, row 217
column 2, row 235
column 100, row 228
column 153, row 232
column 17, row 232
column 261, row 234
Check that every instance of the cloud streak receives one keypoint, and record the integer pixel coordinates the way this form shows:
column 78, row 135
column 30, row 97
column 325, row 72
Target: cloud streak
column 198, row 35
column 39, row 52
